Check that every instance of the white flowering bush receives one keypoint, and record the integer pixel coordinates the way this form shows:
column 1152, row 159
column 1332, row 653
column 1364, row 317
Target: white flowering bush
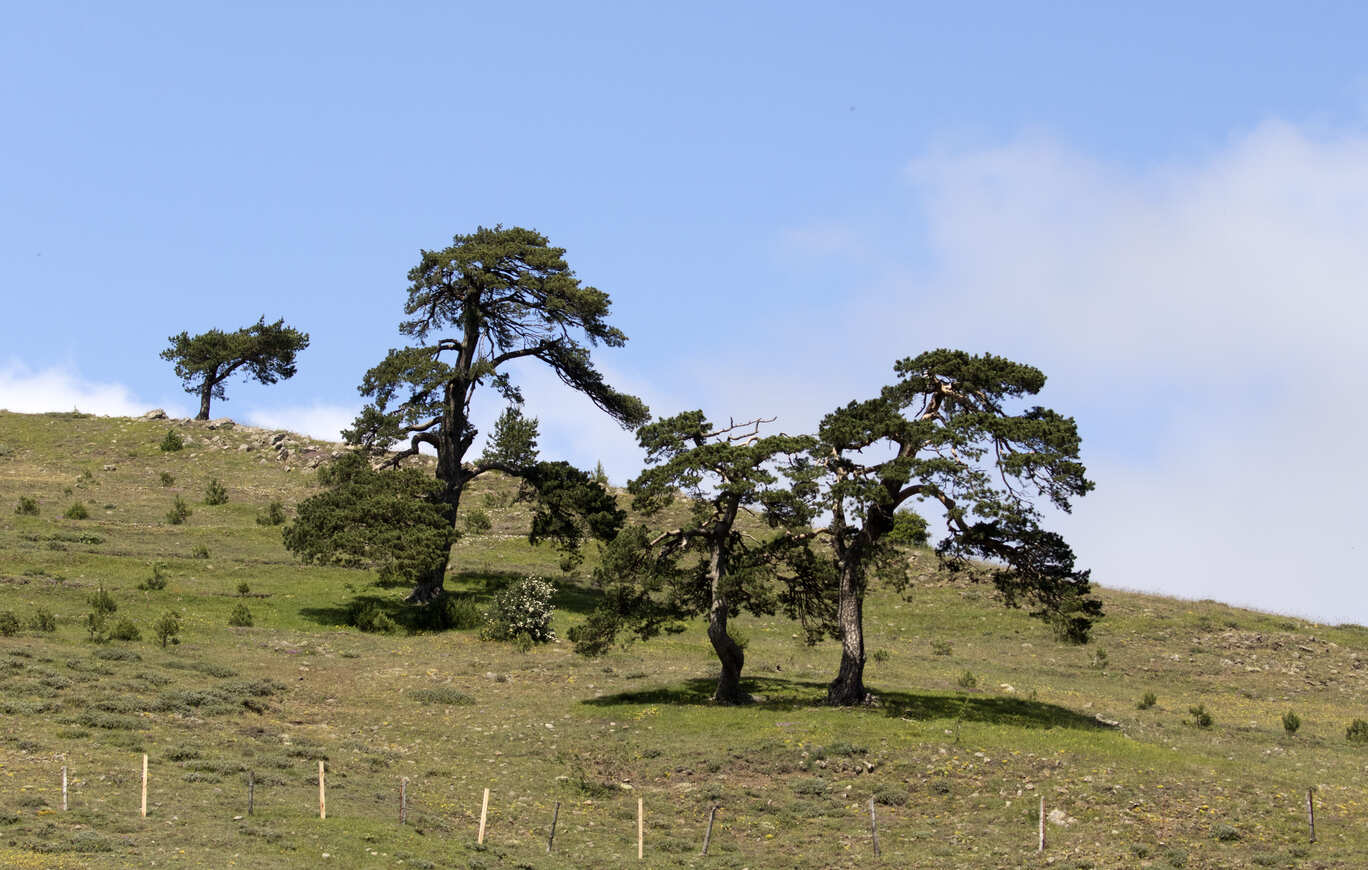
column 522, row 612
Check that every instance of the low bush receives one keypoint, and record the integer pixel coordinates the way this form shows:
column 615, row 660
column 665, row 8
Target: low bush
column 156, row 582
column 444, row 695
column 522, row 610
column 167, row 478
column 1291, row 722
column 101, row 601
column 241, row 617
column 199, row 551
column 28, row 507
column 172, row 441
column 1357, row 732
column 243, row 589
column 215, row 493
column 43, row 620
column 477, row 522
column 274, row 515
column 941, row 648
column 366, row 615
column 179, row 513
column 1200, row 717
column 167, row 628
column 967, row 680
column 1146, row 701
column 124, row 629
column 77, row 511
column 9, row 623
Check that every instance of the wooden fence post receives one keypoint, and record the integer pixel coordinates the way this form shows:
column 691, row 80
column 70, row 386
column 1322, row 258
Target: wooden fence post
column 1311, row 812
column 322, row 793
column 641, row 828
column 144, row 786
column 64, row 788
column 251, row 791
column 707, row 837
column 551, row 838
column 873, row 827
column 1041, row 847
column 484, row 812
column 403, row 801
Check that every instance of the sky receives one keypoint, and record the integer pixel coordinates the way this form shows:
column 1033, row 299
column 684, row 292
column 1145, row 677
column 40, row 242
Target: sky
column 1163, row 206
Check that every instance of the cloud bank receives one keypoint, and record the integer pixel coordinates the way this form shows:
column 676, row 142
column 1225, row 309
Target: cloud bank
column 31, row 391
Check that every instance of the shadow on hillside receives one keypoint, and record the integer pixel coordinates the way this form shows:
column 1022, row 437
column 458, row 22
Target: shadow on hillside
column 789, row 695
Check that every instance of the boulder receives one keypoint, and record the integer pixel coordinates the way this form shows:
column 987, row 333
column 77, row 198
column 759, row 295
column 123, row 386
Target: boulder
column 155, row 414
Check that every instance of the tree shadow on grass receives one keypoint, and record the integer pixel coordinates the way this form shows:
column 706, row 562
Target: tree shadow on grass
column 789, row 695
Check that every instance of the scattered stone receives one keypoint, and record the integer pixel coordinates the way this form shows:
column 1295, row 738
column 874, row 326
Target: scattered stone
column 111, row 468
column 1059, row 817
column 222, row 423
column 155, row 414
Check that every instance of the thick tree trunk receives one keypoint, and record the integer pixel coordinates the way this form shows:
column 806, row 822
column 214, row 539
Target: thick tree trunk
column 848, row 688
column 205, row 393
column 729, row 653
column 432, row 586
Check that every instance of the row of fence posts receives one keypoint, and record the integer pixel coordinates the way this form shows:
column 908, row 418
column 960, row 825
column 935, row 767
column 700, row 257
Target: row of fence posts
column 555, row 816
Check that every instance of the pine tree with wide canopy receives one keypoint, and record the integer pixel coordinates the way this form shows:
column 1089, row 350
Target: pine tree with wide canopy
column 706, row 564
column 263, row 351
column 491, row 298
column 944, row 432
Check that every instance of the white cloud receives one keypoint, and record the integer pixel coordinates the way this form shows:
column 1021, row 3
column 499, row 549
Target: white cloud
column 30, row 391
column 1204, row 324
column 319, row 420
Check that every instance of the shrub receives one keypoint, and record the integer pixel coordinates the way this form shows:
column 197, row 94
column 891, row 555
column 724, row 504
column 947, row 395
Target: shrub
column 1200, row 717
column 1226, row 834
column 172, row 442
column 167, row 478
column 101, row 601
column 477, row 522
column 941, row 648
column 1098, row 659
column 523, row 609
column 454, row 611
column 97, row 626
column 28, row 507
column 199, row 551
column 179, row 513
column 155, row 582
column 9, row 623
column 124, row 629
column 167, row 628
column 879, row 655
column 274, row 515
column 440, row 695
column 215, row 493
column 366, row 615
column 243, row 589
column 77, row 511
column 967, row 680
column 241, row 617
column 1146, row 701
column 1357, row 732
column 43, row 620
column 1291, row 722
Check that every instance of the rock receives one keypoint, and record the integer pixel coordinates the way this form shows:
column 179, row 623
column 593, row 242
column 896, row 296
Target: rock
column 155, row 414
column 221, row 423
column 279, row 437
column 1059, row 817
column 111, row 468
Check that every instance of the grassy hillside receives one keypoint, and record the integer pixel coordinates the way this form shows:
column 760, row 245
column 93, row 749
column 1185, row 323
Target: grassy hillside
column 981, row 712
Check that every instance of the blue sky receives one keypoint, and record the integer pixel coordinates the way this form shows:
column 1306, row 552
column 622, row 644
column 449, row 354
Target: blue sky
column 1161, row 206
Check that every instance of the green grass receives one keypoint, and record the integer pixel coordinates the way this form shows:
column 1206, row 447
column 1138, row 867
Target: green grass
column 955, row 770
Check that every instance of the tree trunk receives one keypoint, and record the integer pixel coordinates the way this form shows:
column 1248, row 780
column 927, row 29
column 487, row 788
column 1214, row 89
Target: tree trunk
column 205, row 393
column 848, row 688
column 729, row 653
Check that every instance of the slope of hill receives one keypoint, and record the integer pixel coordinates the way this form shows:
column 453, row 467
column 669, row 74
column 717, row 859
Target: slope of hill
column 981, row 712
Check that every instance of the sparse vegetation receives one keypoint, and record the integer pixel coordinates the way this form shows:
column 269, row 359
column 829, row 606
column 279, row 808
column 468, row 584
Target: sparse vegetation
column 1357, row 732
column 477, row 522
column 1147, row 700
column 43, row 620
column 124, row 629
column 167, row 628
column 170, row 443
column 273, row 515
column 168, row 479
column 941, row 648
column 156, row 581
column 179, row 513
column 967, row 680
column 9, row 623
column 1291, row 722
column 215, row 493
column 1200, row 717
column 27, row 507
column 241, row 617
column 77, row 511
column 244, row 589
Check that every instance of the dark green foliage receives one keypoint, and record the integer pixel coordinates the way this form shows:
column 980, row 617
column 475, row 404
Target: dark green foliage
column 199, row 551
column 706, row 565
column 179, row 513
column 477, row 522
column 124, row 629
column 170, row 443
column 215, row 493
column 1225, row 833
column 1357, row 732
column 909, row 529
column 264, row 352
column 167, row 478
column 101, row 601
column 967, row 680
column 941, row 648
column 1200, row 717
column 43, row 620
column 274, row 515
column 28, row 507
column 243, row 589
column 366, row 615
column 491, row 298
column 97, row 626
column 157, row 580
column 600, row 476
column 1291, row 722
column 950, row 436
column 167, row 628
column 9, row 623
column 514, row 441
column 1146, row 701
column 77, row 512
column 241, row 617
column 394, row 521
